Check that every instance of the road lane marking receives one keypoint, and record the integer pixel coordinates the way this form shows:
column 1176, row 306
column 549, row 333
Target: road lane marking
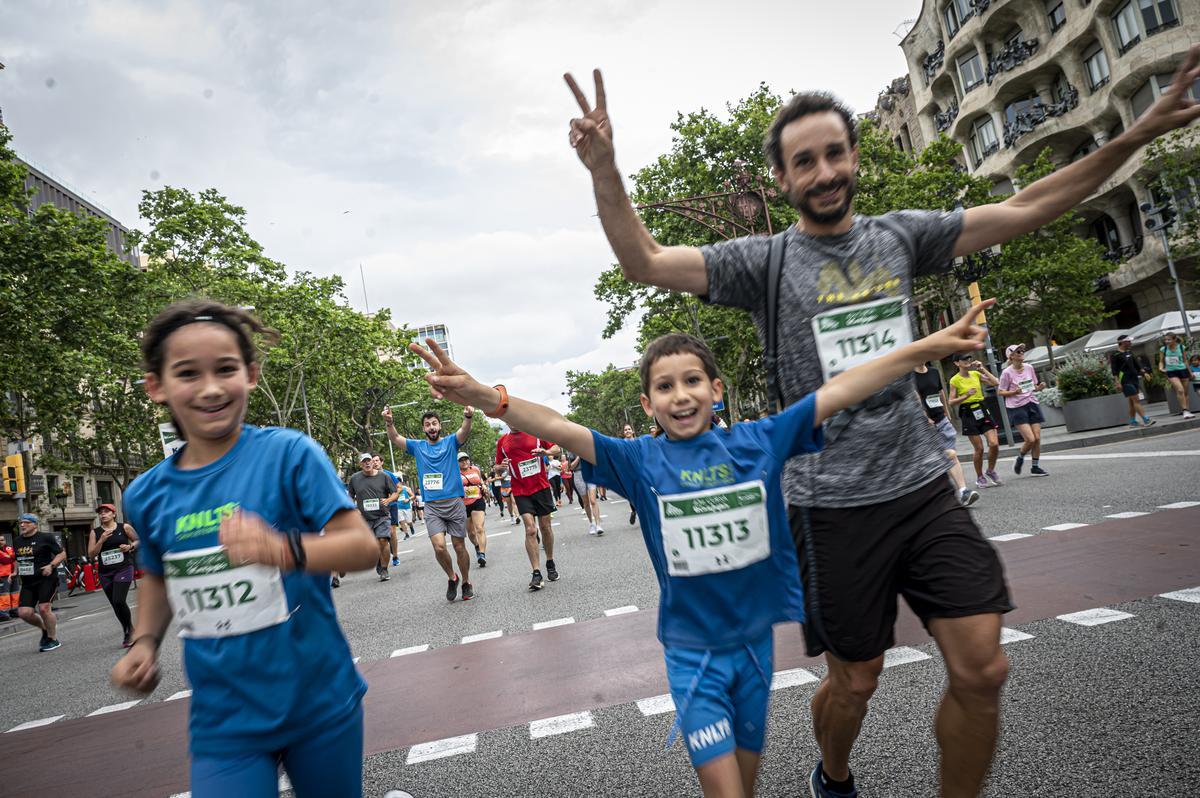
column 562, row 724
column 1013, row 635
column 1178, row 505
column 551, row 624
column 1094, row 617
column 440, row 749
column 403, row 652
column 1010, row 536
column 115, row 707
column 902, row 655
column 792, row 678
column 656, row 705
column 33, row 724
column 1130, row 514
column 1122, row 455
column 405, row 551
column 1062, row 527
column 179, row 695
column 498, row 534
column 1190, row 595
column 621, row 610
column 483, row 636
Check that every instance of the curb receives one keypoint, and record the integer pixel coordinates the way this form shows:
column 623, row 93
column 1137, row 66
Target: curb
column 1117, row 436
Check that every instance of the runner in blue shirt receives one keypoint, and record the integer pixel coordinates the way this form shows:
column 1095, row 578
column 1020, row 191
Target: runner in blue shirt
column 240, row 529
column 713, row 520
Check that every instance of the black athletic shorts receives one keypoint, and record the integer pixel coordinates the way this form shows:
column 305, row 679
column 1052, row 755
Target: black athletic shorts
column 1130, row 388
column 39, row 592
column 536, row 504
column 477, row 506
column 855, row 560
column 976, row 419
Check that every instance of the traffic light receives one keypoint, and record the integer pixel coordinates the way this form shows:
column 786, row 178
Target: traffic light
column 14, row 474
column 1160, row 218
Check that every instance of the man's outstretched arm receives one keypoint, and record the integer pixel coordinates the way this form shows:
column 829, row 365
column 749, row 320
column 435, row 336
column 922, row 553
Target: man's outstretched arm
column 396, row 438
column 1045, row 200
column 642, row 259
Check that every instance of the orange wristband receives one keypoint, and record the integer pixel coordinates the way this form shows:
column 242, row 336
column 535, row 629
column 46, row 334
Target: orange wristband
column 501, row 408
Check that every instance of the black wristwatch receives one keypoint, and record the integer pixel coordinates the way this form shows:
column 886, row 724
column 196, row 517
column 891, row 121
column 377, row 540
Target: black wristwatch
column 299, row 556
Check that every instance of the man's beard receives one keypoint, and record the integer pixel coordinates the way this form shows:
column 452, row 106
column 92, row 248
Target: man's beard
column 801, row 203
column 433, row 436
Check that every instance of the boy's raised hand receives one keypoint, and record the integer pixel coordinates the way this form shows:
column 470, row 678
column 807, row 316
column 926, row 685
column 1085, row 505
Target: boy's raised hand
column 447, row 380
column 963, row 335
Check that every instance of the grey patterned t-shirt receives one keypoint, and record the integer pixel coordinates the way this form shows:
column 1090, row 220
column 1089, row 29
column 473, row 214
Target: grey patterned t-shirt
column 880, row 454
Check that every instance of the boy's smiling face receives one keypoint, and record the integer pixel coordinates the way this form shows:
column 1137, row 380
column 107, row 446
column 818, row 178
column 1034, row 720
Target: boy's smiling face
column 681, row 395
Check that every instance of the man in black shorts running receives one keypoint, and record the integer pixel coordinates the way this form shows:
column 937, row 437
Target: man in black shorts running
column 38, row 556
column 846, row 280
column 1129, row 369
column 373, row 490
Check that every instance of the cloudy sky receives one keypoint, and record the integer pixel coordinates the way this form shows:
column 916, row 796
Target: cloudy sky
column 426, row 142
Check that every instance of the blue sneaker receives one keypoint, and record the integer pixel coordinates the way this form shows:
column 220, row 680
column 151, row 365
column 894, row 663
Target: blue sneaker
column 395, row 562
column 817, row 788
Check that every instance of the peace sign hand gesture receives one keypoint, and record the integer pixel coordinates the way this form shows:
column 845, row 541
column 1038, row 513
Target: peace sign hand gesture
column 448, row 380
column 591, row 134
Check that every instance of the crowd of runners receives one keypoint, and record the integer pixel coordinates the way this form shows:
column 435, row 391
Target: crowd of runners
column 847, row 496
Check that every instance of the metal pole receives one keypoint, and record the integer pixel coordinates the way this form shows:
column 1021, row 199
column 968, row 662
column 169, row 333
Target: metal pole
column 1187, row 328
column 976, row 297
column 363, row 277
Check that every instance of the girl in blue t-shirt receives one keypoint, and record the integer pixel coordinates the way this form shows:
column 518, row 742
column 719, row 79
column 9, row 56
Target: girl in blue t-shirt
column 241, row 528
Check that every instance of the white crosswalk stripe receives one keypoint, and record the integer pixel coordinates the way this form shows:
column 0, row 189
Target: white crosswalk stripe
column 561, row 724
column 1094, row 617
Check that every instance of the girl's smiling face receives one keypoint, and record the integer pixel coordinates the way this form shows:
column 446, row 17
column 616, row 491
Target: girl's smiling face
column 205, row 382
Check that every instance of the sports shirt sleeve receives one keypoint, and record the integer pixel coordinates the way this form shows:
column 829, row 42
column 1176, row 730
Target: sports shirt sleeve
column 1006, row 380
column 499, row 453
column 149, row 554
column 793, row 431
column 618, row 464
column 737, row 271
column 934, row 235
column 313, row 485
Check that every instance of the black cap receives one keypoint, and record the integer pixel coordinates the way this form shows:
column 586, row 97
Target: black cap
column 963, row 356
column 1121, row 338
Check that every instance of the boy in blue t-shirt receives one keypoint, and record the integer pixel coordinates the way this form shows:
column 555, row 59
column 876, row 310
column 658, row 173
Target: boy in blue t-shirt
column 713, row 520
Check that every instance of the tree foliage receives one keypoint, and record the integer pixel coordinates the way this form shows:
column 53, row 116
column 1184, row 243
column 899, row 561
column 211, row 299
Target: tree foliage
column 607, row 400
column 1174, row 162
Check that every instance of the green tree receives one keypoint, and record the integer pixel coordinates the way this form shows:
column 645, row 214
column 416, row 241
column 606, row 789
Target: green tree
column 607, row 400
column 1046, row 281
column 1174, row 163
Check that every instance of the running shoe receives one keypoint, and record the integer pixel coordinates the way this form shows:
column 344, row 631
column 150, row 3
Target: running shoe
column 516, row 520
column 1038, row 471
column 536, row 582
column 452, row 588
column 994, row 477
column 1019, row 464
column 982, row 482
column 45, row 639
column 378, row 570
column 632, row 517
column 482, row 559
column 468, row 591
column 384, row 575
column 1149, row 422
column 968, row 496
column 335, row 582
column 395, row 562
column 599, row 528
column 1133, row 423
column 817, row 788
column 50, row 645
column 1188, row 414
column 551, row 571
column 127, row 641
column 591, row 529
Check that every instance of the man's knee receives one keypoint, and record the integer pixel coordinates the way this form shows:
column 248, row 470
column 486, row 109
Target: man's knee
column 982, row 678
column 855, row 681
column 25, row 613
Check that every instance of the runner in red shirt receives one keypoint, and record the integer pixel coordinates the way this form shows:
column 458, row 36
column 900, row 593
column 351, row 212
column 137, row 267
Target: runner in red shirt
column 523, row 453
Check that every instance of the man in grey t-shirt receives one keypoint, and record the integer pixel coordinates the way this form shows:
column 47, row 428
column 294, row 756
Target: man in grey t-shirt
column 873, row 515
column 373, row 490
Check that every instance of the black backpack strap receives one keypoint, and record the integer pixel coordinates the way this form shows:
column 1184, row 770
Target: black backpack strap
column 771, row 332
column 903, row 233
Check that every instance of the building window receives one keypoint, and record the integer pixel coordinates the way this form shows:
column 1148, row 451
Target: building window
column 1017, row 107
column 104, row 492
column 983, row 139
column 955, row 14
column 1056, row 14
column 1153, row 88
column 1125, row 24
column 79, row 489
column 1105, row 231
column 1158, row 15
column 970, row 70
column 1095, row 65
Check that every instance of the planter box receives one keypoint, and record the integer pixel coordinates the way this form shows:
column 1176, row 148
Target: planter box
column 1054, row 416
column 1193, row 401
column 1096, row 413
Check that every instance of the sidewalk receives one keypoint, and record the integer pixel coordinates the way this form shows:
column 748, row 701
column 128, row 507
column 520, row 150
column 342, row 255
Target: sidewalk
column 1057, row 439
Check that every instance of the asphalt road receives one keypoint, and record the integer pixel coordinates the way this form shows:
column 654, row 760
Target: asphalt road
column 1101, row 710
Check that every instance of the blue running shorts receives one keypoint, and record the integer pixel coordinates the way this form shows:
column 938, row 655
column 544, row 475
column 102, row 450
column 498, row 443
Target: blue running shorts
column 721, row 698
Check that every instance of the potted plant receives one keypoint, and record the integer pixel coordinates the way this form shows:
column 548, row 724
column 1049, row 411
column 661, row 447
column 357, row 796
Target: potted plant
column 1091, row 397
column 1051, row 401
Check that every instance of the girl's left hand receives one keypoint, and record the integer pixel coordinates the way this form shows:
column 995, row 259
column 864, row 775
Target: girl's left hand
column 247, row 538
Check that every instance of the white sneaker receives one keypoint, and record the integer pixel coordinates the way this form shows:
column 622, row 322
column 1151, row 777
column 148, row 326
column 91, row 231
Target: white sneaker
column 1188, row 414
column 591, row 529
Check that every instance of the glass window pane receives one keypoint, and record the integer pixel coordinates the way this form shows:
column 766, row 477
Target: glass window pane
column 1126, row 25
column 1142, row 99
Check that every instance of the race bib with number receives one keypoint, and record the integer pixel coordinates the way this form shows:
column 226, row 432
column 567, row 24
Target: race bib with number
column 112, row 557
column 529, row 468
column 710, row 531
column 25, row 567
column 853, row 335
column 1026, row 385
column 978, row 413
column 1174, row 362
column 370, row 505
column 432, row 481
column 933, row 401
column 472, row 492
column 212, row 598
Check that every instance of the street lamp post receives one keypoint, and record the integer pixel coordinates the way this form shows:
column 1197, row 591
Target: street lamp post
column 1160, row 220
column 971, row 268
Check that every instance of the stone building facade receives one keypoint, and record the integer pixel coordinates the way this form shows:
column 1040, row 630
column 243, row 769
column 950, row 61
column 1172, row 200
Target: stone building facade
column 1008, row 78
